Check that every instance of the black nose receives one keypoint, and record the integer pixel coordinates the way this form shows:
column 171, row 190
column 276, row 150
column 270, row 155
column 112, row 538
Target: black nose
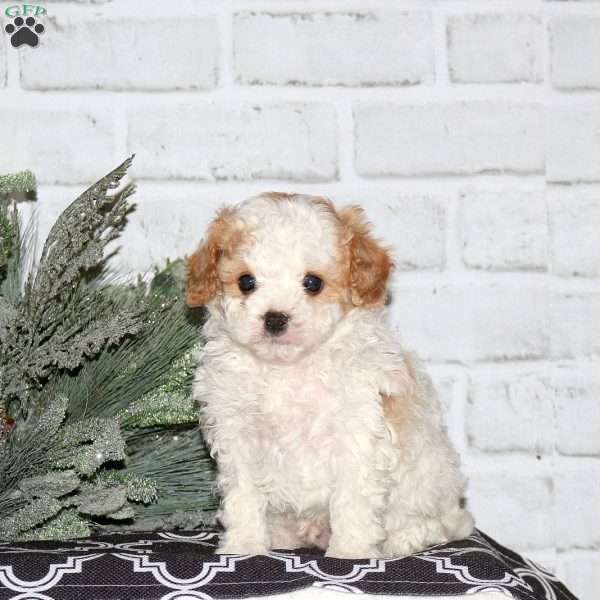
column 276, row 322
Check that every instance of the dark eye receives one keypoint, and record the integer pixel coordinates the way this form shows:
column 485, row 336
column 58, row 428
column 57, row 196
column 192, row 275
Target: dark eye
column 312, row 284
column 246, row 283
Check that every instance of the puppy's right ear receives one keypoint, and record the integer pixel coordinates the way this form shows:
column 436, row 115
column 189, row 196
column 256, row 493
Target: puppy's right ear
column 370, row 262
column 202, row 282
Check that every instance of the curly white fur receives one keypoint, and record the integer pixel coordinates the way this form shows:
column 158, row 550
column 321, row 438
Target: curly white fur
column 327, row 435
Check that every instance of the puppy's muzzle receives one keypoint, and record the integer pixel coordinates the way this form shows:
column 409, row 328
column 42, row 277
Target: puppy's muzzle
column 276, row 322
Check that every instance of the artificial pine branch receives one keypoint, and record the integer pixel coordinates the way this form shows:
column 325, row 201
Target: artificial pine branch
column 182, row 468
column 100, row 378
column 8, row 235
column 10, row 238
column 17, row 183
column 58, row 320
column 76, row 243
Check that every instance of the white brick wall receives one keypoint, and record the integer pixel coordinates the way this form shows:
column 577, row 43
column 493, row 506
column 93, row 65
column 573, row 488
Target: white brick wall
column 577, row 501
column 574, row 42
column 2, row 63
column 510, row 416
column 414, row 227
column 333, row 48
column 575, row 325
column 293, row 141
column 518, row 505
column 576, row 393
column 59, row 145
column 582, row 570
column 469, row 130
column 573, row 143
column 574, row 215
column 453, row 138
column 504, row 230
column 140, row 62
column 495, row 48
column 472, row 321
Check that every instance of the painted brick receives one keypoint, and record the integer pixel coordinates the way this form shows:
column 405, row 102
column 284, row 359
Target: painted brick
column 515, row 510
column 573, row 144
column 507, row 416
column 157, row 236
column 333, row 48
column 156, row 230
column 575, row 325
column 455, row 138
column 124, row 54
column 577, row 501
column 577, row 399
column 445, row 389
column 60, row 146
column 224, row 142
column 574, row 218
column 158, row 233
column 3, row 48
column 582, row 575
column 495, row 48
column 474, row 322
column 503, row 231
column 413, row 226
column 574, row 49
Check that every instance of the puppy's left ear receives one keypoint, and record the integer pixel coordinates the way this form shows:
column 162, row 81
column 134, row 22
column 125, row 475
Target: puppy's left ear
column 203, row 283
column 370, row 262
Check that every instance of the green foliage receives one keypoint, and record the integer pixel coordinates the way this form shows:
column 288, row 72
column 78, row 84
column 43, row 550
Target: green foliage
column 60, row 319
column 180, row 465
column 17, row 183
column 68, row 523
column 98, row 377
column 7, row 237
column 10, row 186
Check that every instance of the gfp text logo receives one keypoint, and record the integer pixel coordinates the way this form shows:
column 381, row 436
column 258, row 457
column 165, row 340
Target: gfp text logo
column 24, row 29
column 24, row 10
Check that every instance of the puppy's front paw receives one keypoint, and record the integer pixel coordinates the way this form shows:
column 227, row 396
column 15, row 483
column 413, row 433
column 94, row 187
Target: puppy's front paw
column 339, row 549
column 241, row 547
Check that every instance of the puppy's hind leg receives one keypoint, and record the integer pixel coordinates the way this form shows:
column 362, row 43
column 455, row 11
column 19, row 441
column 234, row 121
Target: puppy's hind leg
column 424, row 509
column 424, row 506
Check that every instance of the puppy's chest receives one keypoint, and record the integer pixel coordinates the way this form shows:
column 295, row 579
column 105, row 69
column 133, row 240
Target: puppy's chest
column 296, row 430
column 296, row 410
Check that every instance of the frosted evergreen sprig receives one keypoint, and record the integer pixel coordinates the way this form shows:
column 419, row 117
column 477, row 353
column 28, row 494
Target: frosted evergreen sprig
column 34, row 513
column 61, row 319
column 139, row 488
column 16, row 183
column 7, row 236
column 87, row 444
column 68, row 523
column 170, row 403
column 100, row 378
column 76, row 242
column 180, row 464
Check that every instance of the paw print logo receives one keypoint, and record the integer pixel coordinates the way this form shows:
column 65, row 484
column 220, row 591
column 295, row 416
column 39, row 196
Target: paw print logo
column 24, row 31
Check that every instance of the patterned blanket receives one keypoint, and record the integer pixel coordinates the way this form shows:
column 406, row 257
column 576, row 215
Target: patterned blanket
column 170, row 566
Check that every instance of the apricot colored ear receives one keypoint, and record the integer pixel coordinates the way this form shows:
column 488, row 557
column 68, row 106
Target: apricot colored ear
column 370, row 262
column 202, row 282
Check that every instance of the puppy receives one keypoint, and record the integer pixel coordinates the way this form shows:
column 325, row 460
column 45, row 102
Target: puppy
column 324, row 430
